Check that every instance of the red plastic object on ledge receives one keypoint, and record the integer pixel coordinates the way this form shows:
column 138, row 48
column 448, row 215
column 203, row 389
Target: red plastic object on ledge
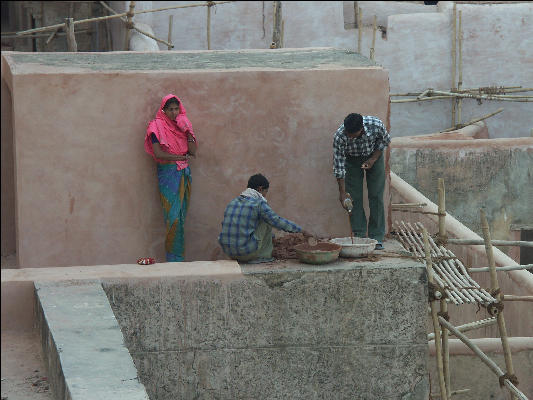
column 145, row 261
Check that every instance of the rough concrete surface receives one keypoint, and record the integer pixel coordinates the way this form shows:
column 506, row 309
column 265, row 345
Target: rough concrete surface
column 23, row 371
column 349, row 330
column 82, row 343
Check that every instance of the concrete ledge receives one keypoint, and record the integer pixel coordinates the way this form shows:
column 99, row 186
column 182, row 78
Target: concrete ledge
column 18, row 294
column 82, row 344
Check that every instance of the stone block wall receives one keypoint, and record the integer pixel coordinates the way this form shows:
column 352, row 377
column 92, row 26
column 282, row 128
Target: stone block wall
column 345, row 331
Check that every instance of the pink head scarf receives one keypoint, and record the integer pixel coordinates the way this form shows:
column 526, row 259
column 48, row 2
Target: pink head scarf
column 172, row 135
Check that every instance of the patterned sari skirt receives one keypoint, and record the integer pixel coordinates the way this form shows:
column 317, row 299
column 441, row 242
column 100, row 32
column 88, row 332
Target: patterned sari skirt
column 175, row 192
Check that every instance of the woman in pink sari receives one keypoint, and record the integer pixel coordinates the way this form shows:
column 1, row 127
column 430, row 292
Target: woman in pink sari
column 170, row 140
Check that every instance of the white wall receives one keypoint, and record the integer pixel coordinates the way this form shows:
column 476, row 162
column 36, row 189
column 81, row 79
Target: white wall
column 416, row 49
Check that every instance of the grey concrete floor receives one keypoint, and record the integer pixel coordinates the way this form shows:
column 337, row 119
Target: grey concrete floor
column 23, row 371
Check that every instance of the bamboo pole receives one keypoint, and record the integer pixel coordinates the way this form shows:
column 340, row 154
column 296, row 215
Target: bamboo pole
column 445, row 351
column 460, row 81
column 359, row 30
column 129, row 25
column 170, row 21
column 459, row 126
column 506, row 268
column 422, row 99
column 510, row 297
column 436, row 327
column 282, row 40
column 521, row 243
column 276, row 31
column 168, row 44
column 504, row 89
column 71, row 37
column 400, row 205
column 356, row 18
column 488, row 362
column 478, row 96
column 373, row 48
column 442, row 210
column 82, row 21
column 469, row 326
column 51, row 37
column 454, row 59
column 495, row 287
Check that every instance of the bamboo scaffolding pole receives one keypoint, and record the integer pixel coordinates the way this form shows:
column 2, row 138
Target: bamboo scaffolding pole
column 478, row 96
column 52, row 36
column 168, row 44
column 460, row 80
column 356, row 19
column 170, row 21
column 424, row 93
column 498, row 269
column 504, row 89
column 82, row 21
column 445, row 350
column 495, row 287
column 209, row 25
column 276, row 30
column 488, row 362
column 71, row 37
column 373, row 48
column 434, row 317
column 422, row 99
column 408, row 204
column 459, row 126
column 521, row 243
column 282, row 40
column 129, row 25
column 359, row 29
column 510, row 297
column 454, row 58
column 469, row 326
column 442, row 210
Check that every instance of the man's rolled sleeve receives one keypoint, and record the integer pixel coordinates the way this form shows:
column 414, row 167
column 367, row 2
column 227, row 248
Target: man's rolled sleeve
column 339, row 157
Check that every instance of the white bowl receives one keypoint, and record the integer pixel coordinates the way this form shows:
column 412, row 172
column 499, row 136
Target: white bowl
column 361, row 247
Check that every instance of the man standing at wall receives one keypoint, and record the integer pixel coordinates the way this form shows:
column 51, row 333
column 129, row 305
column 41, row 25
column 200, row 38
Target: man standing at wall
column 358, row 146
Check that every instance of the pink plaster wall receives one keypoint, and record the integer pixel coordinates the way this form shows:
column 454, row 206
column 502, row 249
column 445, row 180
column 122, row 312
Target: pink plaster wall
column 87, row 191
column 8, row 245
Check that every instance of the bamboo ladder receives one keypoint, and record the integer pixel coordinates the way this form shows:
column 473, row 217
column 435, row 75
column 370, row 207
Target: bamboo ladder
column 449, row 281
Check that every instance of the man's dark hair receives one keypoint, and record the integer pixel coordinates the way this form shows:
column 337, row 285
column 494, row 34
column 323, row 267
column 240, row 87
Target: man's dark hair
column 257, row 181
column 170, row 101
column 353, row 122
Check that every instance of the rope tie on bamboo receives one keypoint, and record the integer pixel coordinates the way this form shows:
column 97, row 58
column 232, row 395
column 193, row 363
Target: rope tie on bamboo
column 494, row 308
column 511, row 377
column 432, row 292
column 129, row 24
column 444, row 314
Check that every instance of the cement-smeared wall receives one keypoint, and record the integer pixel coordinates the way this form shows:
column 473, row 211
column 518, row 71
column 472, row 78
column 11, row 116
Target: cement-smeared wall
column 87, row 192
column 494, row 174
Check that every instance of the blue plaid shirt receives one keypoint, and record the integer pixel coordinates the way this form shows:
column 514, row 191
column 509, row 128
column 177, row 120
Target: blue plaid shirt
column 375, row 137
column 241, row 217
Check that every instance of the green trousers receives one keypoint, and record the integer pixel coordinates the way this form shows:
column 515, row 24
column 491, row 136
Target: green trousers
column 263, row 234
column 375, row 183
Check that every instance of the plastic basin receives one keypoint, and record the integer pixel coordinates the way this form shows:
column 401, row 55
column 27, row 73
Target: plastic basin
column 322, row 253
column 361, row 247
